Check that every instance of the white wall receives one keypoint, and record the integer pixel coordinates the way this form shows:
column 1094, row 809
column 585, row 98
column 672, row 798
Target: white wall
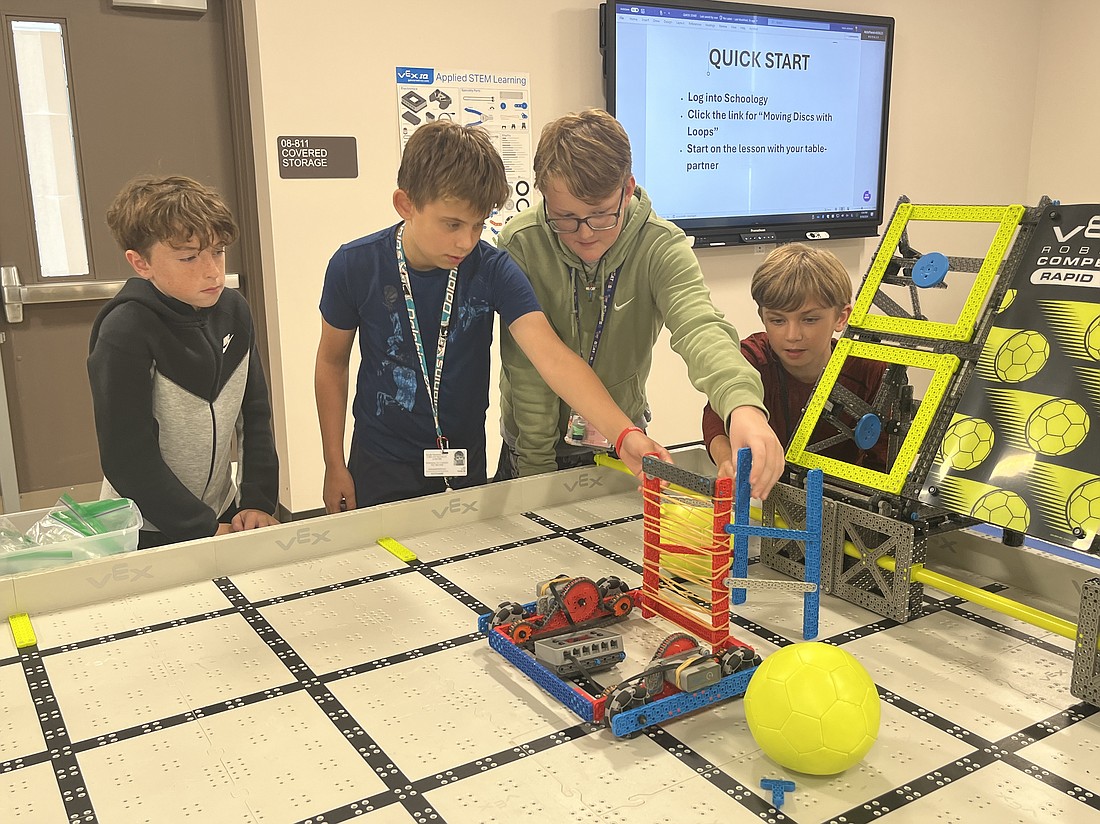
column 965, row 115
column 1064, row 145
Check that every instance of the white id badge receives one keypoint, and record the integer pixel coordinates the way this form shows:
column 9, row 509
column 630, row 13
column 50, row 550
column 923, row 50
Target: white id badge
column 444, row 464
column 581, row 433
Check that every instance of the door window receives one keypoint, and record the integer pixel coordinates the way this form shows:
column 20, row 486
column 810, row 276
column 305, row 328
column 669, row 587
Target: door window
column 43, row 80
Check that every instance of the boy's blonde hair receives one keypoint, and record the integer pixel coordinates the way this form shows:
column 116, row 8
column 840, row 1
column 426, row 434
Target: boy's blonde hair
column 588, row 152
column 444, row 159
column 796, row 274
column 172, row 210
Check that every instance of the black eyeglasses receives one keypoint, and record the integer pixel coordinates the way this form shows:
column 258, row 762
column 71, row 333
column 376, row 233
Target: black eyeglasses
column 597, row 223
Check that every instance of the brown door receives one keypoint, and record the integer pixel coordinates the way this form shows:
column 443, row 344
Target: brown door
column 94, row 96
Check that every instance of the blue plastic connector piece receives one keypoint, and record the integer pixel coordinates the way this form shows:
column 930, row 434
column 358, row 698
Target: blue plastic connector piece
column 931, row 269
column 779, row 787
column 867, row 431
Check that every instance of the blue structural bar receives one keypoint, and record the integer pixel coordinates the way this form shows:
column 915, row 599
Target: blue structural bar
column 741, row 529
column 770, row 532
column 559, row 689
column 811, row 601
column 740, row 520
column 631, row 721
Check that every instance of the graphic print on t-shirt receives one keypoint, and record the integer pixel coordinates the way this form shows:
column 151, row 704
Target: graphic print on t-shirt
column 404, row 376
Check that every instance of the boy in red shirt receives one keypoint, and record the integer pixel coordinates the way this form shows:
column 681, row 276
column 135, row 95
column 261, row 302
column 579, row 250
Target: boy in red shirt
column 803, row 295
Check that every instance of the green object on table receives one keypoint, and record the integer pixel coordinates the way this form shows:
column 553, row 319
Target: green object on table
column 82, row 517
column 46, row 555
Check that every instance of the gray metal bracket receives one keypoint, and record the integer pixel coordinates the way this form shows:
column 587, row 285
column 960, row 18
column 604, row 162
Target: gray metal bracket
column 787, row 555
column 861, row 580
column 656, row 468
column 1085, row 683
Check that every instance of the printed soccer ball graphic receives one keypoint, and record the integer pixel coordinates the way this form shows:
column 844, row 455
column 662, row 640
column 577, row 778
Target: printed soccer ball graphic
column 1002, row 508
column 1006, row 301
column 1057, row 426
column 1021, row 357
column 813, row 708
column 1092, row 339
column 1083, row 508
column 966, row 443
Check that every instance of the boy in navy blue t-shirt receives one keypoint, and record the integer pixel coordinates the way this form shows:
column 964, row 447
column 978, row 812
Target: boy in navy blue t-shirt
column 422, row 296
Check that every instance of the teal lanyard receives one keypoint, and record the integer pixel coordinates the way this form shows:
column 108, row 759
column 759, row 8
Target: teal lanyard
column 432, row 384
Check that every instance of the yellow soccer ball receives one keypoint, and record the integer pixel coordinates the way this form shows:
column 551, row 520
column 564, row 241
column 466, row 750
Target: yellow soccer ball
column 1092, row 339
column 812, row 707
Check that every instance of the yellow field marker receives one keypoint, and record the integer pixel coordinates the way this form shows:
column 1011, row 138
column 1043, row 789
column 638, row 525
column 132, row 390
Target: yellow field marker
column 22, row 630
column 397, row 548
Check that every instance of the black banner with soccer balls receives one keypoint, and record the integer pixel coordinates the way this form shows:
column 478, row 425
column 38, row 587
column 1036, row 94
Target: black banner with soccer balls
column 1021, row 449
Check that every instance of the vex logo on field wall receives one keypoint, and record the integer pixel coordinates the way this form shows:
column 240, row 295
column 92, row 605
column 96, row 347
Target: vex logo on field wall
column 304, row 537
column 584, row 481
column 456, row 507
column 120, row 573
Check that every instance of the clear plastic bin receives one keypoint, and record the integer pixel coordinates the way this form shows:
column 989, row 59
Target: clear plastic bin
column 123, row 537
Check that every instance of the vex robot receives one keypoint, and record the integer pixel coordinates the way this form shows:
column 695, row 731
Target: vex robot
column 570, row 633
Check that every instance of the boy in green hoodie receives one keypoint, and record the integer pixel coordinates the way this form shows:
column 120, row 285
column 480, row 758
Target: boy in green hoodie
column 608, row 272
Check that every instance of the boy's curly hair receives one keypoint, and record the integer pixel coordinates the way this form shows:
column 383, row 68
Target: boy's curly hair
column 171, row 210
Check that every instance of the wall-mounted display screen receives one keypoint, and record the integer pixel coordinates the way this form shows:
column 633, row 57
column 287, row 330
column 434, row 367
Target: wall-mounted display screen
column 753, row 123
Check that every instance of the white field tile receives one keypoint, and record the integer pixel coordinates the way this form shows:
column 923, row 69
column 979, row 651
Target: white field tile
column 20, row 733
column 29, row 796
column 431, row 546
column 287, row 760
column 363, row 623
column 55, row 629
column 141, row 679
column 480, row 704
column 1000, row 794
column 316, row 573
column 593, row 510
column 975, row 677
column 172, row 774
column 1073, row 753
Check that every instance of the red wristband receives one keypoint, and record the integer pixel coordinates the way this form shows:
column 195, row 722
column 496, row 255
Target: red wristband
column 622, row 437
